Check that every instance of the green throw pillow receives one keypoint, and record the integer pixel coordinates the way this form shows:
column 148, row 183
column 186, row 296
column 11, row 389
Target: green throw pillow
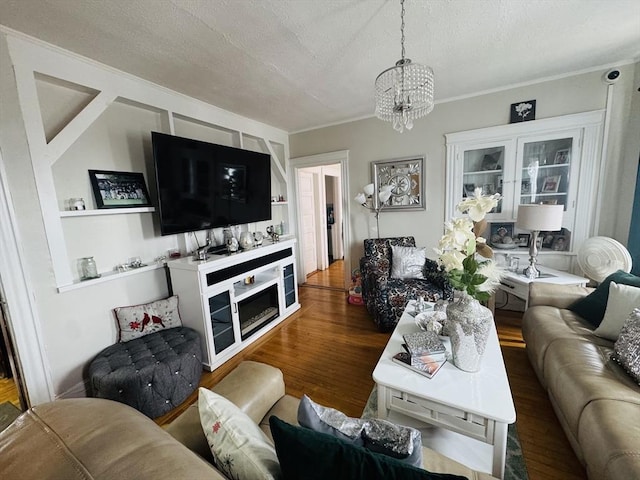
column 308, row 455
column 593, row 306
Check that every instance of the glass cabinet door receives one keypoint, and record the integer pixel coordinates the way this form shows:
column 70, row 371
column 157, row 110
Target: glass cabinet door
column 221, row 321
column 484, row 168
column 546, row 175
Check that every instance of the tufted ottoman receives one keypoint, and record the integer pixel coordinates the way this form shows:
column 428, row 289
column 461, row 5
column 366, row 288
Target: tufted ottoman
column 152, row 374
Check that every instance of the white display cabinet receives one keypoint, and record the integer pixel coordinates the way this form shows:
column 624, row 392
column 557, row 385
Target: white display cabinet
column 234, row 299
column 550, row 161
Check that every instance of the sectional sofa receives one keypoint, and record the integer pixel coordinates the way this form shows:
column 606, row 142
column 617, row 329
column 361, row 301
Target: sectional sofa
column 595, row 399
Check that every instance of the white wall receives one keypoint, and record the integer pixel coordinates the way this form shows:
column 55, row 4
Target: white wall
column 75, row 325
column 371, row 139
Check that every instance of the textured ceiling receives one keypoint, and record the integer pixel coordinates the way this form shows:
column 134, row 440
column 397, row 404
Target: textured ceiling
column 298, row 64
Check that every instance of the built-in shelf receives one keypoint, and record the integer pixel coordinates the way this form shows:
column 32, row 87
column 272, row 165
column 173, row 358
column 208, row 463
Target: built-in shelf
column 107, row 277
column 553, row 165
column 482, row 172
column 106, row 211
column 279, row 203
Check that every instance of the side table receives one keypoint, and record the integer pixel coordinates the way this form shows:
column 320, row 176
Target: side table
column 518, row 284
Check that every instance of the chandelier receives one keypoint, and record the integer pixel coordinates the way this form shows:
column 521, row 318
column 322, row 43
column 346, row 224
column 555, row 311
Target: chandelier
column 404, row 92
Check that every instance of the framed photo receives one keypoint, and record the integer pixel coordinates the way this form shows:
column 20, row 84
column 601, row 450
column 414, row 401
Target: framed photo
column 551, row 184
column 499, row 232
column 525, row 187
column 547, row 239
column 468, row 189
column 488, row 189
column 523, row 111
column 491, row 161
column 523, row 239
column 406, row 176
column 560, row 243
column 119, row 189
column 562, row 156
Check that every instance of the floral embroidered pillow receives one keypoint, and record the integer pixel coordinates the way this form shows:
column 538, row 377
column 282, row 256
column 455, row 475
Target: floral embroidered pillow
column 240, row 449
column 140, row 320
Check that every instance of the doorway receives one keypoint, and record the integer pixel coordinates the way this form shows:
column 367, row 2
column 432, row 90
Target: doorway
column 10, row 384
column 321, row 188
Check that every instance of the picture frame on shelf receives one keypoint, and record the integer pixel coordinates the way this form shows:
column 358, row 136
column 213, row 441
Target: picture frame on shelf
column 406, row 176
column 501, row 235
column 551, row 184
column 491, row 161
column 113, row 189
column 560, row 243
column 547, row 239
column 488, row 189
column 468, row 189
column 562, row 157
column 523, row 239
column 525, row 187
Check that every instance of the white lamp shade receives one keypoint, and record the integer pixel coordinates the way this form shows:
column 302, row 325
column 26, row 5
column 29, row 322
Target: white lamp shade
column 540, row 217
column 361, row 198
column 384, row 195
column 368, row 189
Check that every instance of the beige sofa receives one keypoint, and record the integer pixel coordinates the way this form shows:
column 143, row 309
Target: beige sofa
column 597, row 403
column 101, row 439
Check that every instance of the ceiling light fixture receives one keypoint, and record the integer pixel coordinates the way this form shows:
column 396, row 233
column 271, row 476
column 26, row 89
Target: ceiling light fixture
column 404, row 92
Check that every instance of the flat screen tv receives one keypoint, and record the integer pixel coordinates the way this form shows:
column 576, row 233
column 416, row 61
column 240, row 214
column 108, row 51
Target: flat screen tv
column 203, row 185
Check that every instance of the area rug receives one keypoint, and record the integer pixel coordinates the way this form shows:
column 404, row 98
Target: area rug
column 515, row 468
column 8, row 413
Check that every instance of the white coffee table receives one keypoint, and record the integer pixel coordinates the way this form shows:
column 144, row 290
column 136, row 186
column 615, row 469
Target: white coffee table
column 461, row 415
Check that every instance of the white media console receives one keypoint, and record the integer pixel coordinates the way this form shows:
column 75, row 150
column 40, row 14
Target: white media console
column 234, row 299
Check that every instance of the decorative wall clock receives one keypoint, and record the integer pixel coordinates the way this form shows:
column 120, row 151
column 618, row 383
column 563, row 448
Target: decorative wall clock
column 405, row 175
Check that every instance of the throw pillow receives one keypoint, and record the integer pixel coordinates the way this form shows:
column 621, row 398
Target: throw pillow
column 593, row 306
column 309, row 455
column 622, row 300
column 139, row 320
column 626, row 350
column 240, row 449
column 381, row 436
column 407, row 262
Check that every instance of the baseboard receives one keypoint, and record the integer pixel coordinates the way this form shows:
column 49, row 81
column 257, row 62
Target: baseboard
column 79, row 390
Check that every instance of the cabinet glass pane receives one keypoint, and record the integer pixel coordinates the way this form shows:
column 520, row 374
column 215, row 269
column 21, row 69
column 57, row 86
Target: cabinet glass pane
column 221, row 321
column 483, row 168
column 545, row 172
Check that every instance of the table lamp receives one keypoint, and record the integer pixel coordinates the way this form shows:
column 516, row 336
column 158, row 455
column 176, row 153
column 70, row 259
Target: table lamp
column 538, row 218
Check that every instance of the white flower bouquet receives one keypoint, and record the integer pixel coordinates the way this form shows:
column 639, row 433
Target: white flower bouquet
column 461, row 242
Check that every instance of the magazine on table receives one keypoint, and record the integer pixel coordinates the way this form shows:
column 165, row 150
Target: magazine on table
column 428, row 366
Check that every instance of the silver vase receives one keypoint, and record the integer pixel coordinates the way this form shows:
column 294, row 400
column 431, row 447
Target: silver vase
column 468, row 324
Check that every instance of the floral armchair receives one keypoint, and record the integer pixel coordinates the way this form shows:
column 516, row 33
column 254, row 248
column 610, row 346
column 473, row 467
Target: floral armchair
column 386, row 297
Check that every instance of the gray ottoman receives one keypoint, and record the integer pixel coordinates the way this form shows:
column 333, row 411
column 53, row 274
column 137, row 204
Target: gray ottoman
column 152, row 374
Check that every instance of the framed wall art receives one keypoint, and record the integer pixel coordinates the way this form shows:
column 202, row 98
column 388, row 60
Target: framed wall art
column 119, row 189
column 523, row 111
column 406, row 176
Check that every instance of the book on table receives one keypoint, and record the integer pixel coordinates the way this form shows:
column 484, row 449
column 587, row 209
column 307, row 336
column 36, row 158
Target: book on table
column 423, row 343
column 427, row 366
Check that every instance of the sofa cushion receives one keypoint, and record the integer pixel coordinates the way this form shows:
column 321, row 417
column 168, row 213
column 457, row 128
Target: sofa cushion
column 579, row 372
column 622, row 300
column 626, row 350
column 308, row 455
column 377, row 435
column 593, row 306
column 609, row 435
column 239, row 447
column 138, row 320
column 407, row 262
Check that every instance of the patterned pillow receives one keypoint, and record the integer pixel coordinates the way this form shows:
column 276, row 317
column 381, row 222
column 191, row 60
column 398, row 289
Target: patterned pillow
column 140, row 320
column 240, row 449
column 377, row 435
column 407, row 262
column 626, row 350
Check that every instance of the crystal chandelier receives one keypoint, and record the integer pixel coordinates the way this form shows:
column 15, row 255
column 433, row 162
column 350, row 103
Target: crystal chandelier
column 404, row 92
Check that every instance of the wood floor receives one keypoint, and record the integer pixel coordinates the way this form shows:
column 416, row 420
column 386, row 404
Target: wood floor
column 9, row 391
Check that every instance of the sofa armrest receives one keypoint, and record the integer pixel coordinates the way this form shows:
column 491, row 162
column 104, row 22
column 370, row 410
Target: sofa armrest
column 253, row 387
column 559, row 296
